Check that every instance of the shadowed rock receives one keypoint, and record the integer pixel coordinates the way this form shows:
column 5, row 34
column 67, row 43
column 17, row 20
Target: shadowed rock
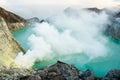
column 94, row 9
column 33, row 20
column 59, row 71
column 10, row 17
column 87, row 75
column 13, row 21
column 112, row 75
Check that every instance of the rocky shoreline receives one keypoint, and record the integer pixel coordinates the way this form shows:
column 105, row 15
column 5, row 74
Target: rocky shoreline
column 58, row 71
column 9, row 48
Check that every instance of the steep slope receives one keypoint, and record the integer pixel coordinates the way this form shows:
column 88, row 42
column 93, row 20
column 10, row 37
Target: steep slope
column 13, row 21
column 9, row 47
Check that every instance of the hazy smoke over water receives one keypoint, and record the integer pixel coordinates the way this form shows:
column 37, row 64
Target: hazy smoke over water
column 45, row 8
column 70, row 32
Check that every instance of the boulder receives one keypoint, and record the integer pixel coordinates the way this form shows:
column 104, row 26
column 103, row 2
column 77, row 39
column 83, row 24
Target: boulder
column 59, row 71
column 87, row 75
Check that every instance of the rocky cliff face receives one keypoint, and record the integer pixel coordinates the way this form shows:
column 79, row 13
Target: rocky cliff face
column 13, row 21
column 9, row 47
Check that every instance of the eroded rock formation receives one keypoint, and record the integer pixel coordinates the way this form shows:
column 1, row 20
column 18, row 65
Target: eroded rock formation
column 9, row 47
column 13, row 21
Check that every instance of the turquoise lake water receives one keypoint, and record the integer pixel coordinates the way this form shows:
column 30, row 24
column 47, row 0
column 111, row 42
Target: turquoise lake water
column 100, row 65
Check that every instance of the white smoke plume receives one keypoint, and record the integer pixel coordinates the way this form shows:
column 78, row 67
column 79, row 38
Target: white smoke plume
column 45, row 8
column 78, row 32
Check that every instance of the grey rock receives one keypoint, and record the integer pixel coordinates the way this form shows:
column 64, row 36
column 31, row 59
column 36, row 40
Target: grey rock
column 87, row 75
column 58, row 71
column 33, row 20
column 112, row 75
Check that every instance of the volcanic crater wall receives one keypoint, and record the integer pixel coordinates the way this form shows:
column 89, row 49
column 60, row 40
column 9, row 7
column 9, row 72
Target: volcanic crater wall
column 9, row 47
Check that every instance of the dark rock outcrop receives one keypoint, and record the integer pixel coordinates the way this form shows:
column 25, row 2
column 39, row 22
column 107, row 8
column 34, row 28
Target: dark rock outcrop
column 33, row 20
column 58, row 71
column 87, row 75
column 112, row 75
column 43, row 21
column 113, row 29
column 63, row 71
column 94, row 9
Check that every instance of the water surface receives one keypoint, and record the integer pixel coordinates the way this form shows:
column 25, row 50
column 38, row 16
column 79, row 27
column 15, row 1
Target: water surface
column 100, row 65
